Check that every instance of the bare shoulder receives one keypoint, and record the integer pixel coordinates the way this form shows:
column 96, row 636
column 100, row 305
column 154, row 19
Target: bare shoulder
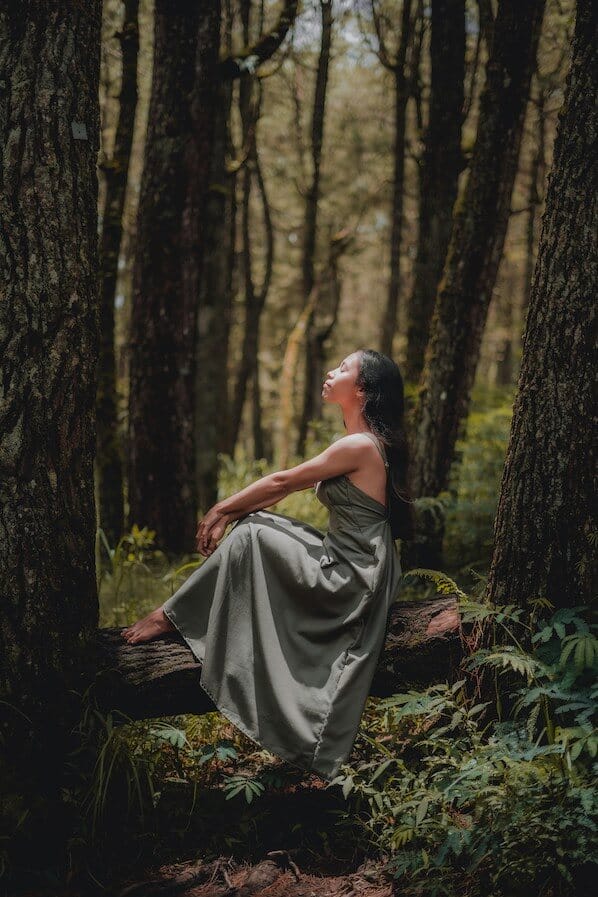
column 345, row 455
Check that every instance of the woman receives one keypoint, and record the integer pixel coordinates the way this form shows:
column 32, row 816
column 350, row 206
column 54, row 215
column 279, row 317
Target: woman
column 289, row 622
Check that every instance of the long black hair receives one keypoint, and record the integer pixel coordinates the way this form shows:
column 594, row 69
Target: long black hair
column 384, row 411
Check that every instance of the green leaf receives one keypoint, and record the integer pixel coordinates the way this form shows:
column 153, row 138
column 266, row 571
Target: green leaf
column 421, row 811
column 347, row 786
column 383, row 766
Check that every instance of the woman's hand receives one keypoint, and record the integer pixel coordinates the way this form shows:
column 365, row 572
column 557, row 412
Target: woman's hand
column 210, row 530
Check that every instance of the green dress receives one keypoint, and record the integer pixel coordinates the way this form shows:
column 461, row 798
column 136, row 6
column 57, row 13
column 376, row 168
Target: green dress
column 289, row 623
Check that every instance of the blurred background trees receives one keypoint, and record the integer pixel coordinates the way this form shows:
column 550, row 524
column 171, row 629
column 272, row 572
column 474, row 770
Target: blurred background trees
column 353, row 121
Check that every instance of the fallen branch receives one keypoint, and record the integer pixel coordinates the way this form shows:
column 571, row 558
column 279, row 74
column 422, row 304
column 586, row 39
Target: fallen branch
column 161, row 677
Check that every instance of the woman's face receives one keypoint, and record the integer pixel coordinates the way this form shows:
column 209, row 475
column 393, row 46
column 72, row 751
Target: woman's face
column 339, row 385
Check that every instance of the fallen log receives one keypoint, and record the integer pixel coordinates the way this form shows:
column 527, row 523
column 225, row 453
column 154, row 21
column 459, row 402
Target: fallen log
column 161, row 677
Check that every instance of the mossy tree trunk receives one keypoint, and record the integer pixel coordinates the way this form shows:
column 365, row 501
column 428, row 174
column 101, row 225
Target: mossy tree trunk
column 441, row 166
column 109, row 459
column 49, row 128
column 545, row 525
column 161, row 449
column 480, row 221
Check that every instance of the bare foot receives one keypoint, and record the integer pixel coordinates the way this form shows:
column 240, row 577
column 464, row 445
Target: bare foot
column 148, row 628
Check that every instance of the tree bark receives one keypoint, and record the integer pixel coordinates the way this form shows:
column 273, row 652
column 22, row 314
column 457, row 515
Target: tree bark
column 49, row 127
column 255, row 297
column 423, row 645
column 215, row 297
column 479, row 226
column 310, row 223
column 546, row 511
column 441, row 166
column 162, row 476
column 534, row 198
column 402, row 89
column 326, row 314
column 109, row 457
column 262, row 440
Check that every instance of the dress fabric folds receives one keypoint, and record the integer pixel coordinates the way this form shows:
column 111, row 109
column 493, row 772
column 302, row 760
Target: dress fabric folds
column 289, row 622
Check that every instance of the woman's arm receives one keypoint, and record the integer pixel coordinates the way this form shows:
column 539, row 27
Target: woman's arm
column 343, row 456
column 261, row 494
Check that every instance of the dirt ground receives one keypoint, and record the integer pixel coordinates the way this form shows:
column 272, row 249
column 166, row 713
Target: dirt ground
column 276, row 876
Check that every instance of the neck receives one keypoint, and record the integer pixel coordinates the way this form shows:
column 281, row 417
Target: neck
column 354, row 421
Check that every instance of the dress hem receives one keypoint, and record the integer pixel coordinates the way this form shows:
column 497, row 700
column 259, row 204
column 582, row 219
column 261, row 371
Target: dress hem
column 234, row 719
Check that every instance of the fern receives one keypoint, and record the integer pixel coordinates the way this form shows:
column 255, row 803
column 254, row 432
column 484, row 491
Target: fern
column 584, row 647
column 505, row 659
column 443, row 584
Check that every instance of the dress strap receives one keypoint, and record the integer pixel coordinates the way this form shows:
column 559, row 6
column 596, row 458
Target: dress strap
column 376, row 443
column 386, row 464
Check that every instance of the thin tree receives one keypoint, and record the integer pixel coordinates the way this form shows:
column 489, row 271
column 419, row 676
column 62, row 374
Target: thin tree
column 255, row 297
column 545, row 528
column 212, row 410
column 403, row 68
column 480, row 221
column 109, row 458
column 310, row 219
column 439, row 171
column 49, row 129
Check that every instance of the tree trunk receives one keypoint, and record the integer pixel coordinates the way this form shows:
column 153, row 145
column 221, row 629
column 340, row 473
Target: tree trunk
column 109, row 452
column 49, row 128
column 534, row 199
column 546, row 511
column 213, row 424
column 402, row 88
column 310, row 224
column 161, row 677
column 288, row 372
column 255, row 298
column 326, row 314
column 212, row 411
column 262, row 442
column 162, row 478
column 441, row 165
column 479, row 227
column 503, row 365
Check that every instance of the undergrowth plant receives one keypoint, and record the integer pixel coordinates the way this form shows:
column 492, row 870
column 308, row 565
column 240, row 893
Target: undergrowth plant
column 475, row 480
column 465, row 800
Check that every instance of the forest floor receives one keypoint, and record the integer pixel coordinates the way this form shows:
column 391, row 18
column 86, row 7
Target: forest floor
column 289, row 842
column 275, row 876
column 294, row 848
